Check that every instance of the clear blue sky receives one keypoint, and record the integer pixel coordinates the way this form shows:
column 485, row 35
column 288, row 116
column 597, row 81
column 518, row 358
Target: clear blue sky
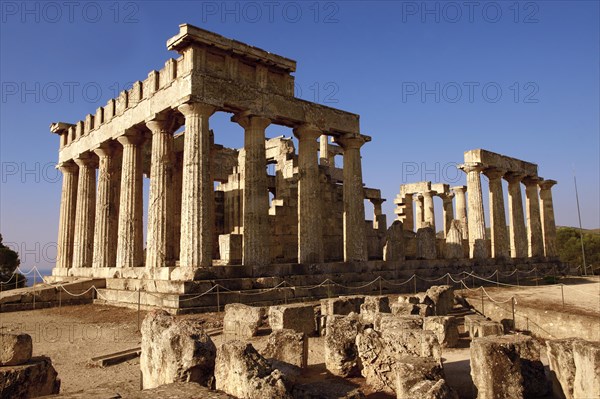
column 424, row 78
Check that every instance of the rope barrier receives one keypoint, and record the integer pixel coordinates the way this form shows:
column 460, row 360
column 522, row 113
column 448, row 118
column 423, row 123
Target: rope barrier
column 399, row 284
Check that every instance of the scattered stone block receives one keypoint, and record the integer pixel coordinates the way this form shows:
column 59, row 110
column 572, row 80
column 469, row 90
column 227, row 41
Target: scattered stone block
column 15, row 349
column 373, row 306
column 486, row 328
column 535, row 383
column 37, row 377
column 242, row 320
column 425, row 310
column 427, row 389
column 400, row 322
column 242, row 372
column 445, row 328
column 412, row 342
column 288, row 346
column 341, row 353
column 343, row 305
column 327, row 389
column 404, row 309
column 562, row 366
column 586, row 356
column 417, row 377
column 443, row 299
column 298, row 317
column 175, row 350
column 426, row 243
column 408, row 299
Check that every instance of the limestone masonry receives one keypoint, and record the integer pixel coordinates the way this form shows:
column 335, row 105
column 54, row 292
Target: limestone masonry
column 222, row 210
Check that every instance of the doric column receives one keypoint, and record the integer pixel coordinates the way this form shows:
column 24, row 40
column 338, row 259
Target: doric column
column 497, row 213
column 379, row 219
column 409, row 217
column 66, row 224
column 326, row 159
column 355, row 248
column 419, row 212
column 310, row 237
column 159, row 244
column 476, row 217
column 548, row 223
column 517, row 234
column 107, row 206
column 535, row 237
column 177, row 183
column 429, row 212
column 448, row 211
column 130, row 245
column 256, row 238
column 83, row 244
column 197, row 191
column 461, row 210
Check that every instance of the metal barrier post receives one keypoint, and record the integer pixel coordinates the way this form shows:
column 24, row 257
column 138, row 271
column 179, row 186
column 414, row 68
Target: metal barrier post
column 518, row 278
column 497, row 278
column 482, row 308
column 447, row 278
column 562, row 293
column 379, row 285
column 536, row 277
column 138, row 308
column 513, row 313
column 415, row 283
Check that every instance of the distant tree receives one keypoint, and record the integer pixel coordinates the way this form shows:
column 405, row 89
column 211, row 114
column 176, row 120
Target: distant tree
column 9, row 261
column 568, row 241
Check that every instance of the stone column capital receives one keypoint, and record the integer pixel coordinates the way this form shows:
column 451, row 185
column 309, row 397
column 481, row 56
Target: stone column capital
column 494, row 173
column 547, row 184
column 189, row 109
column 105, row 149
column 531, row 181
column 377, row 201
column 131, row 137
column 86, row 159
column 513, row 177
column 307, row 131
column 247, row 120
column 446, row 197
column 352, row 141
column 468, row 167
column 459, row 189
column 67, row 166
column 161, row 123
column 428, row 193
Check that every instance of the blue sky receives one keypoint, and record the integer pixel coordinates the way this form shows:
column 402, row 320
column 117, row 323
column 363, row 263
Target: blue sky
column 429, row 80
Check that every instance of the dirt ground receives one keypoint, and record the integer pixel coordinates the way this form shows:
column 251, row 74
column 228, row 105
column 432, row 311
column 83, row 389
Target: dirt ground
column 72, row 336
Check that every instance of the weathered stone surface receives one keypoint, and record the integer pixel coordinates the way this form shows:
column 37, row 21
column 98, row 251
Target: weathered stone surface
column 586, row 356
column 425, row 310
column 242, row 320
column 412, row 342
column 508, row 366
column 400, row 322
column 427, row 389
column 416, row 377
column 288, row 346
column 15, row 349
column 242, row 372
column 404, row 309
column 35, row 378
column 408, row 299
column 176, row 390
column 454, row 237
column 298, row 317
column 562, row 366
column 341, row 353
column 175, row 350
column 445, row 328
column 426, row 243
column 328, row 389
column 485, row 328
column 373, row 306
column 443, row 299
column 343, row 305
column 394, row 243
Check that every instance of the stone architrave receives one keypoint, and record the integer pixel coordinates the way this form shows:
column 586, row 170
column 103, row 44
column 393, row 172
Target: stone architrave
column 159, row 248
column 535, row 237
column 107, row 206
column 66, row 227
column 83, row 244
column 426, row 243
column 454, row 247
column 256, row 245
column 547, row 215
column 130, row 240
column 197, row 191
column 499, row 233
column 518, row 236
column 310, row 240
column 476, row 217
column 355, row 248
column 461, row 210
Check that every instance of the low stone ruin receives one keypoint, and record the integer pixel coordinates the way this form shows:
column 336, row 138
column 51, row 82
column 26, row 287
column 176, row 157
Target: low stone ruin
column 575, row 367
column 341, row 353
column 288, row 346
column 298, row 317
column 21, row 375
column 421, row 378
column 478, row 326
column 445, row 329
column 242, row 320
column 175, row 350
column 507, row 367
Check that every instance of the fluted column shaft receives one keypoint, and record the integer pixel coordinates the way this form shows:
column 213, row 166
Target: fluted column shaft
column 107, row 207
column 535, row 236
column 66, row 225
column 83, row 245
column 419, row 212
column 177, row 187
column 429, row 211
column 409, row 217
column 197, row 192
column 130, row 245
column 497, row 214
column 355, row 248
column 461, row 210
column 448, row 212
column 517, row 233
column 325, row 158
column 256, row 238
column 159, row 247
column 547, row 214
column 310, row 237
column 475, row 214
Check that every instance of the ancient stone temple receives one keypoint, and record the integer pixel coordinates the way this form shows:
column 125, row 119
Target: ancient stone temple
column 218, row 215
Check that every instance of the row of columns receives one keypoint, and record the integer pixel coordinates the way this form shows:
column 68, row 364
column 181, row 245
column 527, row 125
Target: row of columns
column 425, row 212
column 532, row 236
column 103, row 228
